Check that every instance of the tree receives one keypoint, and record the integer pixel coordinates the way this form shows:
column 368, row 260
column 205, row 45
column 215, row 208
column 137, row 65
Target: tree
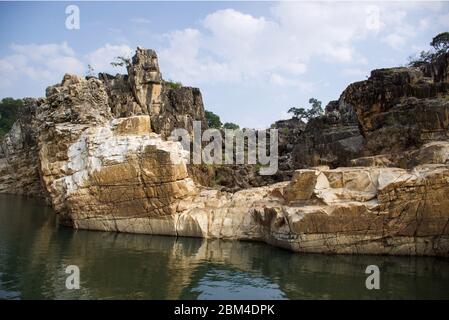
column 441, row 42
column 314, row 111
column 8, row 114
column 213, row 120
column 424, row 57
column 90, row 70
column 121, row 61
column 230, row 125
column 299, row 113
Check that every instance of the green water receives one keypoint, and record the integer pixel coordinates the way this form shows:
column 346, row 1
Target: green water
column 34, row 252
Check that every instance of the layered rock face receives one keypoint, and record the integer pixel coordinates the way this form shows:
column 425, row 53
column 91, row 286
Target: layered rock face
column 394, row 111
column 144, row 92
column 345, row 210
column 400, row 109
column 96, row 149
column 19, row 170
column 331, row 140
column 92, row 164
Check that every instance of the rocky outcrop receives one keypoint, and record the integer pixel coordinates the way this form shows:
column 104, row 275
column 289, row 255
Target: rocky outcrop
column 91, row 163
column 96, row 149
column 347, row 210
column 144, row 92
column 19, row 171
column 122, row 170
column 48, row 125
column 435, row 152
column 399, row 109
column 393, row 112
column 331, row 140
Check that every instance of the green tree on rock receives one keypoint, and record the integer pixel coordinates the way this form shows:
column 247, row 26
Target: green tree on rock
column 302, row 114
column 299, row 113
column 316, row 110
column 230, row 125
column 8, row 114
column 213, row 120
column 441, row 42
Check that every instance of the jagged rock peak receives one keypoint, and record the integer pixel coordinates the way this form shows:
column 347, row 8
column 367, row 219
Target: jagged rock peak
column 145, row 66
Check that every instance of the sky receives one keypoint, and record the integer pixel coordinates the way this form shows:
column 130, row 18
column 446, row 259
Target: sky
column 251, row 60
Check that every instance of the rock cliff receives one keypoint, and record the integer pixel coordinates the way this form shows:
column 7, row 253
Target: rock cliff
column 96, row 149
column 392, row 113
column 144, row 92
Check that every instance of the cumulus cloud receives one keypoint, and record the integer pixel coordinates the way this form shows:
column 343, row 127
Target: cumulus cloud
column 232, row 45
column 101, row 58
column 41, row 62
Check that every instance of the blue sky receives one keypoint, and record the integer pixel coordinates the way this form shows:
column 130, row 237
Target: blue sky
column 251, row 60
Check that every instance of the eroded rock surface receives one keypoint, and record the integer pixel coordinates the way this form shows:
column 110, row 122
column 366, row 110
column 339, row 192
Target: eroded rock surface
column 392, row 113
column 345, row 210
column 144, row 92
column 19, row 170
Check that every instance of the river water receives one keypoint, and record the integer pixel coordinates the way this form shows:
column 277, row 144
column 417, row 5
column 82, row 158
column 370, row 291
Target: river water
column 35, row 251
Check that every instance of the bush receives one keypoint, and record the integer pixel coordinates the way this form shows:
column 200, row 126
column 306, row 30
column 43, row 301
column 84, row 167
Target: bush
column 8, row 114
column 230, row 125
column 172, row 84
column 314, row 111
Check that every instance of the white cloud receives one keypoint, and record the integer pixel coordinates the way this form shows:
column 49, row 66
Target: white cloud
column 182, row 61
column 279, row 80
column 39, row 62
column 235, row 46
column 395, row 40
column 230, row 45
column 101, row 58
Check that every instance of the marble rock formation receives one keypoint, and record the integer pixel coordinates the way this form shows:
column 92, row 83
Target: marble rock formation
column 144, row 92
column 345, row 210
column 96, row 150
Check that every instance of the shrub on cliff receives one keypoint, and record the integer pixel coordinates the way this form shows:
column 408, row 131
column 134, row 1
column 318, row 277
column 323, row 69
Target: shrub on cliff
column 173, row 84
column 8, row 114
column 303, row 114
column 440, row 44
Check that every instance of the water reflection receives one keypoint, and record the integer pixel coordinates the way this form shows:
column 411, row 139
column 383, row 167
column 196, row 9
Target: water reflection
column 34, row 252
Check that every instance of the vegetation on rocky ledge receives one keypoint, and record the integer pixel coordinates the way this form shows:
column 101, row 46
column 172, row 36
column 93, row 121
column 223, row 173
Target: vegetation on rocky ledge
column 8, row 114
column 214, row 121
column 303, row 114
column 440, row 46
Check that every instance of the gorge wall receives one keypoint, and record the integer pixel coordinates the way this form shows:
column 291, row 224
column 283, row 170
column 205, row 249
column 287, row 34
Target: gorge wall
column 383, row 120
column 96, row 149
